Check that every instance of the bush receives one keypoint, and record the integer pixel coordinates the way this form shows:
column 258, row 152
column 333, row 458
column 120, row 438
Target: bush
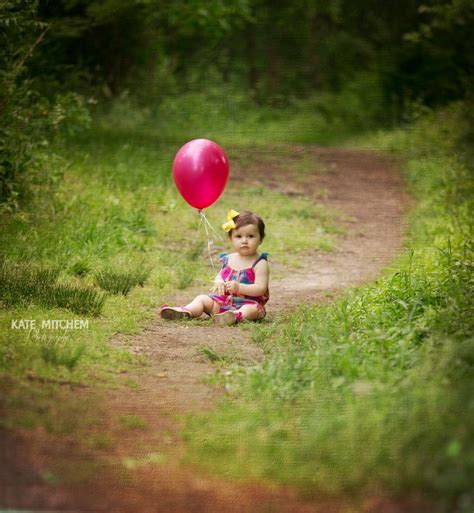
column 29, row 121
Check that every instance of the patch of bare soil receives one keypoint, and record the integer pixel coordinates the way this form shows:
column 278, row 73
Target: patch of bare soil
column 127, row 469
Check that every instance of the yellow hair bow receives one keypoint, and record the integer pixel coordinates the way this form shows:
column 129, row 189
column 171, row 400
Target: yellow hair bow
column 230, row 225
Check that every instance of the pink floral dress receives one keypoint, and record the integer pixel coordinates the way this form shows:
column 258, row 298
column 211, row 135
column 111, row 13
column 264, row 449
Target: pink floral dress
column 233, row 302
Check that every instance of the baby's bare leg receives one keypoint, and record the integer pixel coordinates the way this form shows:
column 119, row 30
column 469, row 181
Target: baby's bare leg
column 201, row 304
column 251, row 313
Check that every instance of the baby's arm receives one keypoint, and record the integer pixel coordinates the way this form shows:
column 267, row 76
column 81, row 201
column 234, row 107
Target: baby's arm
column 262, row 275
column 219, row 285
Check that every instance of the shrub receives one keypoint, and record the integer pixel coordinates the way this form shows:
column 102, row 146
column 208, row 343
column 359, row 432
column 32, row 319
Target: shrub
column 28, row 120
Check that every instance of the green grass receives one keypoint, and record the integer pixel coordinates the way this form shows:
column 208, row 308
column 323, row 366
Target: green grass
column 56, row 352
column 225, row 114
column 25, row 284
column 382, row 378
column 373, row 394
column 132, row 422
column 113, row 240
column 119, row 282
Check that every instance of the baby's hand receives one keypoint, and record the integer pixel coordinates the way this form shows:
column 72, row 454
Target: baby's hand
column 232, row 287
column 218, row 288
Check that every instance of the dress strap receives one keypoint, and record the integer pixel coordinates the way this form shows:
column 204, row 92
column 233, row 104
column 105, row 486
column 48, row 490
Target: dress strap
column 224, row 258
column 263, row 256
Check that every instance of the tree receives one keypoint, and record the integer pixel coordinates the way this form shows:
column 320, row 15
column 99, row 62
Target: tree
column 28, row 119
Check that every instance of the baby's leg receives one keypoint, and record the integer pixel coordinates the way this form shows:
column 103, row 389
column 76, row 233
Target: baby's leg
column 201, row 304
column 251, row 312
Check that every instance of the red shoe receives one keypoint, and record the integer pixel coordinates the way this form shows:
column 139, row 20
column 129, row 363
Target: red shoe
column 174, row 313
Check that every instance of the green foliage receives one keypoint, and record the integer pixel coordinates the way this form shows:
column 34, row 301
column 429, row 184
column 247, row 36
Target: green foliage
column 303, row 50
column 80, row 267
column 69, row 115
column 132, row 422
column 82, row 300
column 207, row 19
column 322, row 71
column 185, row 274
column 59, row 353
column 116, row 211
column 439, row 48
column 22, row 284
column 229, row 115
column 22, row 111
column 29, row 120
column 119, row 282
column 85, row 50
column 211, row 355
column 374, row 393
column 417, row 53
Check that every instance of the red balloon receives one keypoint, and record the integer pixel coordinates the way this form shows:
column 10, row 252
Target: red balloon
column 200, row 172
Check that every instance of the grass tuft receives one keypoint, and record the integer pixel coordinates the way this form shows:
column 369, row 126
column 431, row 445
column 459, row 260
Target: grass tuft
column 23, row 284
column 58, row 353
column 185, row 274
column 81, row 300
column 80, row 267
column 211, row 355
column 132, row 422
column 121, row 282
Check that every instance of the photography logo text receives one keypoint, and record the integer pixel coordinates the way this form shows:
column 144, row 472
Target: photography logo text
column 49, row 324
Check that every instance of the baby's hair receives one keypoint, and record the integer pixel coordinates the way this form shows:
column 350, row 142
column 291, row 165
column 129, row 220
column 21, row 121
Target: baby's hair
column 246, row 217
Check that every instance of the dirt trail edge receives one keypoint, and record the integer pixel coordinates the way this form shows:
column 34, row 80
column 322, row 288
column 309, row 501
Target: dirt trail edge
column 137, row 472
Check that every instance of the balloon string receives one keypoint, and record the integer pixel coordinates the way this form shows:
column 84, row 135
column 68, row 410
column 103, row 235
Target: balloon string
column 203, row 216
column 203, row 220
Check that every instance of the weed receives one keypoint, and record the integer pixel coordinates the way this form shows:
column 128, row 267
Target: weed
column 57, row 353
column 119, row 282
column 132, row 422
column 185, row 274
column 163, row 278
column 22, row 284
column 80, row 267
column 81, row 300
column 212, row 356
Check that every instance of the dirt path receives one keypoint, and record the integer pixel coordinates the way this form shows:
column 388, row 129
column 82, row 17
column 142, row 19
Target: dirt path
column 367, row 188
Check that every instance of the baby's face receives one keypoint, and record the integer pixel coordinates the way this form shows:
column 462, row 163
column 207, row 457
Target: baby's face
column 246, row 239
